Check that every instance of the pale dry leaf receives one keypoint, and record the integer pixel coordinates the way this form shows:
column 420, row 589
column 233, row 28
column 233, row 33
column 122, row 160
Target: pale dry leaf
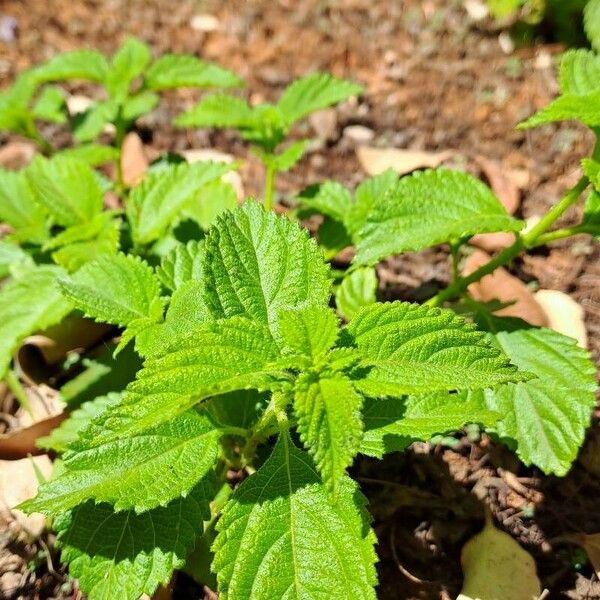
column 204, row 154
column 134, row 161
column 501, row 285
column 565, row 315
column 495, row 567
column 501, row 182
column 377, row 160
column 16, row 155
column 19, row 482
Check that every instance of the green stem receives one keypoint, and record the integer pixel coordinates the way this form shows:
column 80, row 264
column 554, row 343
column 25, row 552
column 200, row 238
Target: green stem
column 455, row 252
column 269, row 181
column 18, row 391
column 121, row 130
column 566, row 232
column 529, row 240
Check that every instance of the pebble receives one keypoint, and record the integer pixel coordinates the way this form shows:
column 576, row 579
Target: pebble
column 204, row 22
column 359, row 134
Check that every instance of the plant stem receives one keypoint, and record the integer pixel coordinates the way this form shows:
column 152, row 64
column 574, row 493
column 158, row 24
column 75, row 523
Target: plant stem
column 269, row 180
column 530, row 239
column 121, row 130
column 566, row 232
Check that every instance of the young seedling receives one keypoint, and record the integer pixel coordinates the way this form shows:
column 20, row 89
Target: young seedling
column 267, row 125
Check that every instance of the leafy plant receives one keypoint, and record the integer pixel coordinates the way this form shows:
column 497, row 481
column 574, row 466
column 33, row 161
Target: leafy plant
column 266, row 125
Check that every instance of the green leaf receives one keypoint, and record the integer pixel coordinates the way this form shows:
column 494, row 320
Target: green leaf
column 29, row 303
column 138, row 105
column 90, row 124
column 428, row 208
column 115, row 289
column 172, row 71
column 591, row 21
column 308, row 332
column 418, row 349
column 285, row 160
column 330, row 198
column 212, row 200
column 579, row 72
column 329, row 423
column 182, row 263
column 124, row 555
column 591, row 214
column 159, row 199
column 547, row 416
column 392, row 424
column 215, row 358
column 282, row 536
column 50, row 106
column 19, row 208
column 220, row 110
column 258, row 264
column 314, row 92
column 67, row 432
column 89, row 65
column 128, row 62
column 67, row 188
column 358, row 289
column 368, row 195
column 136, row 472
column 93, row 154
column 11, row 255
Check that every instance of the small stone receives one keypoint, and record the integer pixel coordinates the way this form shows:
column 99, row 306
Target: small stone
column 359, row 134
column 506, row 43
column 204, row 22
column 325, row 124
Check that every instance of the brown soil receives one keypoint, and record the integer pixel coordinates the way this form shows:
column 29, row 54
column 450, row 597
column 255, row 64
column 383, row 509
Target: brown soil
column 435, row 81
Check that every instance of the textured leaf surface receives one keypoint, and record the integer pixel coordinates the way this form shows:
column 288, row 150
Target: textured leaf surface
column 219, row 110
column 140, row 104
column 391, row 424
column 310, row 332
column 258, row 264
column 19, row 208
column 417, row 349
column 127, row 63
column 217, row 357
column 281, row 536
column 138, row 472
column 312, row 93
column 158, row 200
column 579, row 72
column 331, row 199
column 67, row 432
column 79, row 64
column 329, row 423
column 184, row 70
column 89, row 125
column 591, row 20
column 181, row 264
column 429, row 208
column 28, row 304
column 120, row 555
column 286, row 159
column 67, row 188
column 357, row 289
column 115, row 289
column 92, row 154
column 546, row 416
column 569, row 107
column 50, row 105
column 213, row 200
column 12, row 255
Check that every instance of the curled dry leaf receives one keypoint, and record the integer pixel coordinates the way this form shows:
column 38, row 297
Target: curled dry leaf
column 19, row 482
column 377, row 160
column 501, row 183
column 134, row 161
column 501, row 285
column 495, row 567
column 204, row 154
column 564, row 314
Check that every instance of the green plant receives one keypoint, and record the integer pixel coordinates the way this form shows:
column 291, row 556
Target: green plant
column 266, row 125
column 248, row 371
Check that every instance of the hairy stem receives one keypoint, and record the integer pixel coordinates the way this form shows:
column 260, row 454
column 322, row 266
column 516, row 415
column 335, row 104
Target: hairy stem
column 269, row 181
column 530, row 239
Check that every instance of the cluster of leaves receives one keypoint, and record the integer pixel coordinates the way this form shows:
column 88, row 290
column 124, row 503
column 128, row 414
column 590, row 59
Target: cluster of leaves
column 246, row 364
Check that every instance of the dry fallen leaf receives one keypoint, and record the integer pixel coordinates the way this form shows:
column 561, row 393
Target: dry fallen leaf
column 18, row 482
column 495, row 567
column 506, row 190
column 564, row 314
column 501, row 285
column 591, row 544
column 134, row 162
column 16, row 155
column 377, row 160
column 203, row 154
